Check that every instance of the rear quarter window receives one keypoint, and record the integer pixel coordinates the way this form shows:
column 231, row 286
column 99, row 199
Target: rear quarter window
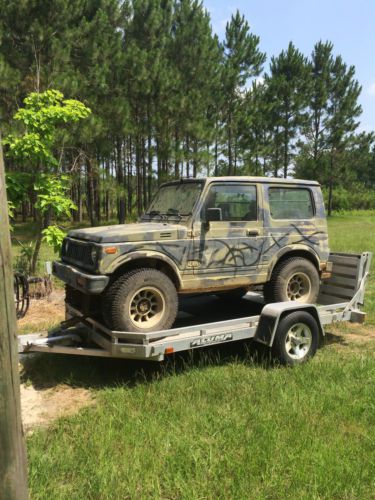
column 290, row 203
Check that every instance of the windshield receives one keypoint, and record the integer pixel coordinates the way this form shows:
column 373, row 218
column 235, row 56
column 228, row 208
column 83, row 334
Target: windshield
column 175, row 199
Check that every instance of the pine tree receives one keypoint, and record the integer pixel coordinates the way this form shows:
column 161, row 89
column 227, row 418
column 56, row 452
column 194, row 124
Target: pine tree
column 255, row 130
column 242, row 60
column 195, row 56
column 341, row 123
column 288, row 87
column 312, row 156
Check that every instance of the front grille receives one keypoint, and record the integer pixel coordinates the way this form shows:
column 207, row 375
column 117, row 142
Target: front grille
column 78, row 253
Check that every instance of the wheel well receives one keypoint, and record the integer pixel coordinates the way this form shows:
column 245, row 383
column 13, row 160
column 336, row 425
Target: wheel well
column 147, row 262
column 297, row 253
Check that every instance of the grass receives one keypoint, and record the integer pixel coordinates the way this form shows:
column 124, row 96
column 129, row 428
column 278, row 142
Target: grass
column 356, row 233
column 214, row 429
column 219, row 424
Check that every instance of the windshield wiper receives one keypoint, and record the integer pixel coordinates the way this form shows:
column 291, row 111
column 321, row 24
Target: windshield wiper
column 156, row 213
column 173, row 212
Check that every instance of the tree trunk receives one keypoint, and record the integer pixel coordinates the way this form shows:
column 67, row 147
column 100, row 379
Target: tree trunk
column 139, row 176
column 24, row 211
column 330, row 186
column 149, row 175
column 144, row 176
column 188, row 156
column 130, row 177
column 176, row 154
column 38, row 244
column 286, row 147
column 90, row 193
column 230, row 160
column 195, row 159
column 120, row 180
column 216, row 157
column 13, row 470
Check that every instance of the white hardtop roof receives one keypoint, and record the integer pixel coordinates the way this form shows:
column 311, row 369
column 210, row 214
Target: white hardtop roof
column 268, row 180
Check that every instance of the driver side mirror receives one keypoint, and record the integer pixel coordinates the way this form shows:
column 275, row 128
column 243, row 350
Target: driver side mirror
column 211, row 215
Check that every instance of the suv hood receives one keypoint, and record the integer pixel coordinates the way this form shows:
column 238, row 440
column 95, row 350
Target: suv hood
column 145, row 231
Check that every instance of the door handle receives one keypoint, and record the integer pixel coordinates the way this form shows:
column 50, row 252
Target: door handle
column 252, row 233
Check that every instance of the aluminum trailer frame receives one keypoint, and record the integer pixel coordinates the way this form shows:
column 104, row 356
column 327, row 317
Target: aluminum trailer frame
column 340, row 297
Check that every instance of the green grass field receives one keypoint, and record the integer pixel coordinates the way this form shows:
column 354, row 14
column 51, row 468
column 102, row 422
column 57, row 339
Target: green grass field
column 221, row 424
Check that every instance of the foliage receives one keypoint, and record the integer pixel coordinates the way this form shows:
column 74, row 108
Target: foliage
column 41, row 115
column 54, row 236
column 24, row 258
column 171, row 100
column 17, row 184
column 355, row 198
column 52, row 194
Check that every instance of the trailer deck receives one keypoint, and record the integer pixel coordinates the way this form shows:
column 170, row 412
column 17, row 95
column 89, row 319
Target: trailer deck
column 339, row 300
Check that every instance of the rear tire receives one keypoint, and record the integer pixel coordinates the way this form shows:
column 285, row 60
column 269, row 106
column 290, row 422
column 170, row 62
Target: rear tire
column 143, row 300
column 296, row 339
column 295, row 279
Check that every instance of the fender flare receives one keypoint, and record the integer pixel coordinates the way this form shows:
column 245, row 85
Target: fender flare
column 290, row 249
column 144, row 254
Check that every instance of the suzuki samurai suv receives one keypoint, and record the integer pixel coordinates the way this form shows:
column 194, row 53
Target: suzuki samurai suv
column 220, row 235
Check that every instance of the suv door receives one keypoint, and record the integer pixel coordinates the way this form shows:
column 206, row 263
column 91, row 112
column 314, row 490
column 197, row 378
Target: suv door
column 231, row 246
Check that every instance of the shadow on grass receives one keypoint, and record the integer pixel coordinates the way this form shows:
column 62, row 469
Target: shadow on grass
column 45, row 371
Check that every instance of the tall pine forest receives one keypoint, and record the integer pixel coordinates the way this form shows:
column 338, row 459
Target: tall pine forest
column 169, row 99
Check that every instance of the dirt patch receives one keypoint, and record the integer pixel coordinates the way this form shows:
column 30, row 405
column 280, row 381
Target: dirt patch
column 351, row 336
column 41, row 407
column 43, row 313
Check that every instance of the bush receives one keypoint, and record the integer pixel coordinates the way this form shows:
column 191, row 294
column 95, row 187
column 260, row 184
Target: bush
column 357, row 198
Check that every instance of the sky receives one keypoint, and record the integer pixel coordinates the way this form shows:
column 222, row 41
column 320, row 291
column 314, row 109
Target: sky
column 348, row 24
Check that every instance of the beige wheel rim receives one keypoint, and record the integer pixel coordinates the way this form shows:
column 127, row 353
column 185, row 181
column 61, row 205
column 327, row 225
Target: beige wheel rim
column 147, row 307
column 298, row 287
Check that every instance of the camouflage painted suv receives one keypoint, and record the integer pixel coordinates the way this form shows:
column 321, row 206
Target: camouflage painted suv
column 216, row 235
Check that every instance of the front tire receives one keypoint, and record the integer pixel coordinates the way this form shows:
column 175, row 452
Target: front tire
column 143, row 300
column 295, row 279
column 296, row 339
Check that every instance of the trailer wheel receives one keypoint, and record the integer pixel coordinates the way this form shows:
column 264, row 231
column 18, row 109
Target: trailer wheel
column 296, row 339
column 143, row 300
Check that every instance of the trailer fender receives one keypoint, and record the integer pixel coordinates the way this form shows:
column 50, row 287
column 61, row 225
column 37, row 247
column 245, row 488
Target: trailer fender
column 272, row 314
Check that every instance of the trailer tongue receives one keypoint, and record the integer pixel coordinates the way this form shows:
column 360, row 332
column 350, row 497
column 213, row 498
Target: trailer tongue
column 292, row 330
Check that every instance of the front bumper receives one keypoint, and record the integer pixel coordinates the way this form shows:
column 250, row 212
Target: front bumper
column 87, row 283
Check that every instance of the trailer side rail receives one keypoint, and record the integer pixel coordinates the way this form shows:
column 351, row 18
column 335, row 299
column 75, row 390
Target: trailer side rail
column 340, row 297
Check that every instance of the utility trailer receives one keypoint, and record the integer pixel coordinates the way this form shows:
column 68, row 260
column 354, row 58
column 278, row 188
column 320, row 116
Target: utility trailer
column 292, row 330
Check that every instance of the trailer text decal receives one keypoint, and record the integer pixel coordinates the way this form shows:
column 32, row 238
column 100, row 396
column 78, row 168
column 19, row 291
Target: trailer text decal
column 212, row 340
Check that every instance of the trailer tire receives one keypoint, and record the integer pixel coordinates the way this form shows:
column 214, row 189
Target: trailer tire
column 296, row 339
column 295, row 279
column 143, row 300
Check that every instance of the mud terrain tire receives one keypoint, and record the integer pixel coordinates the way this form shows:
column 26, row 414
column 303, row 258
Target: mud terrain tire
column 143, row 300
column 296, row 279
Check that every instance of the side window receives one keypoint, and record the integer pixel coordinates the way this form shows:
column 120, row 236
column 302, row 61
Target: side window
column 290, row 203
column 238, row 202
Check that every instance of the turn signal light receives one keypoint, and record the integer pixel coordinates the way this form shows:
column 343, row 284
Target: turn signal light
column 111, row 250
column 169, row 350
